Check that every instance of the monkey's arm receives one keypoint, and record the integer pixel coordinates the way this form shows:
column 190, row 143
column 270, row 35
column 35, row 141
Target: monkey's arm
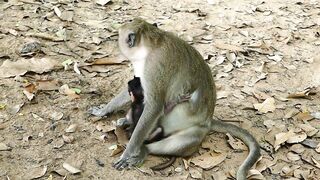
column 117, row 103
column 135, row 151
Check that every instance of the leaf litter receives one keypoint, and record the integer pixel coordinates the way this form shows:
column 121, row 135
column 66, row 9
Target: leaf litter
column 272, row 68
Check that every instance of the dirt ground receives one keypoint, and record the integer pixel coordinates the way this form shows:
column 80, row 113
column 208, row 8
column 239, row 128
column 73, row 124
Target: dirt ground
column 264, row 56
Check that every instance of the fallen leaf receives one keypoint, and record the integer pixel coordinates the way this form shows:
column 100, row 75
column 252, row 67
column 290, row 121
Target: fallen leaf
column 196, row 173
column 116, row 149
column 282, row 138
column 269, row 124
column 265, row 163
column 296, row 138
column 276, row 57
column 293, row 156
column 103, row 127
column 67, row 91
column 303, row 94
column 35, row 173
column 297, row 148
column 121, row 136
column 255, row 174
column 15, row 109
column 236, row 143
column 316, row 115
column 56, row 116
column 222, row 94
column 316, row 163
column 318, row 148
column 47, row 85
column 108, row 61
column 66, row 63
column 4, row 147
column 57, row 11
column 72, row 128
column 71, row 168
column 229, row 47
column 29, row 95
column 267, row 106
column 68, row 139
column 304, row 116
column 208, row 160
column 76, row 68
column 103, row 2
column 307, row 128
column 61, row 172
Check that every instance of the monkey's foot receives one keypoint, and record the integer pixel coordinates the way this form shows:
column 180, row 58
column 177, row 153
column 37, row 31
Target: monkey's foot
column 99, row 111
column 127, row 161
column 123, row 123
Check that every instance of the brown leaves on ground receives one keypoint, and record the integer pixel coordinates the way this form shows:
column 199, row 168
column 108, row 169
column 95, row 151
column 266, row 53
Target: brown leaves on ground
column 60, row 56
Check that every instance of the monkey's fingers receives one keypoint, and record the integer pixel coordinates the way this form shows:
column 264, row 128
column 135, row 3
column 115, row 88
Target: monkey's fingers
column 120, row 164
column 99, row 111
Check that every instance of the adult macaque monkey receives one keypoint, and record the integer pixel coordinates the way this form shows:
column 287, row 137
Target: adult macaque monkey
column 169, row 68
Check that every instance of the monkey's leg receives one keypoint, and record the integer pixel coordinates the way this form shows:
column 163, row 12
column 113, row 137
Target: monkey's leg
column 117, row 103
column 183, row 143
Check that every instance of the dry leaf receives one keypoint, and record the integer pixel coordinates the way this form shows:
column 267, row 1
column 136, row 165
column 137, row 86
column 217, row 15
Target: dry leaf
column 116, row 149
column 316, row 163
column 281, row 138
column 269, row 124
column 121, row 136
column 264, row 163
column 304, row 94
column 208, row 160
column 56, row 116
column 236, row 143
column 71, row 168
column 318, row 148
column 20, row 67
column 57, row 11
column 108, row 61
column 29, row 95
column 255, row 174
column 293, row 156
column 297, row 148
column 47, row 85
column 267, row 106
column 72, row 128
column 229, row 47
column 310, row 130
column 196, row 173
column 4, row 147
column 67, row 91
column 296, row 138
column 76, row 68
column 36, row 173
column 222, row 94
column 103, row 127
column 68, row 139
column 103, row 2
column 304, row 116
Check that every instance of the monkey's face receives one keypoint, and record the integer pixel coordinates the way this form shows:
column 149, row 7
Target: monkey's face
column 134, row 39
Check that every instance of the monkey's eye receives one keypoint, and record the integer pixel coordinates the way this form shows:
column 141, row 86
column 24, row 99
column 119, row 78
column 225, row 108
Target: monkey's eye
column 155, row 24
column 131, row 39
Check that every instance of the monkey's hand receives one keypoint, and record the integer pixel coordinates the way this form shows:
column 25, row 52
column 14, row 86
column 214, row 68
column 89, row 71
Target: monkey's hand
column 129, row 160
column 120, row 102
column 99, row 111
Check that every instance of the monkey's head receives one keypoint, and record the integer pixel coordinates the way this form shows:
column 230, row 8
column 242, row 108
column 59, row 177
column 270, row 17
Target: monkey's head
column 137, row 37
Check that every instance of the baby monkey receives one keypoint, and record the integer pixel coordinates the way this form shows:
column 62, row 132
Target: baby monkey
column 129, row 123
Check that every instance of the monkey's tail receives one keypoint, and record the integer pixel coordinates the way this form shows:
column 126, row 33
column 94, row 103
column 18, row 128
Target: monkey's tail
column 247, row 138
column 164, row 165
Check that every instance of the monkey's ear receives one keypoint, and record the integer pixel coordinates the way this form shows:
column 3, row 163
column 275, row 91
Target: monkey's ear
column 131, row 39
column 155, row 24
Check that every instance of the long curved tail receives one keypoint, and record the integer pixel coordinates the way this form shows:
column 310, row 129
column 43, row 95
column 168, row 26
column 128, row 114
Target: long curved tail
column 247, row 138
